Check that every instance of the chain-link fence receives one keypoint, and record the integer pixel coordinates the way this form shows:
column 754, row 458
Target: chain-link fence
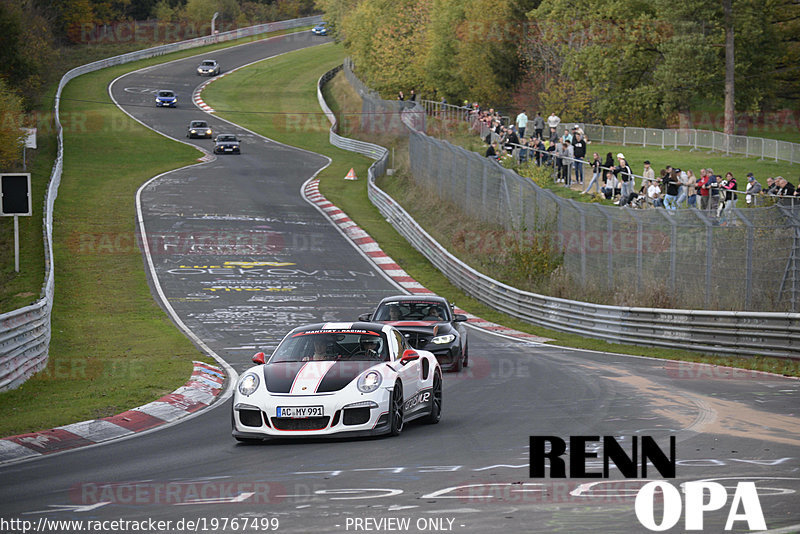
column 745, row 260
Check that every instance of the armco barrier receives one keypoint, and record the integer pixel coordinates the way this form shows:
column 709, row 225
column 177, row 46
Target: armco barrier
column 25, row 333
column 739, row 333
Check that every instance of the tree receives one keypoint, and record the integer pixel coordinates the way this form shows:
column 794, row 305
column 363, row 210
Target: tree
column 12, row 120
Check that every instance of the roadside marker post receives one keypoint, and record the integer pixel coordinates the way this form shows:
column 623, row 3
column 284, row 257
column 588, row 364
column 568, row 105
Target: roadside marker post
column 15, row 199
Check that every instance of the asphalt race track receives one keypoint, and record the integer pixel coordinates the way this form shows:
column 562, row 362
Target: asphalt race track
column 242, row 257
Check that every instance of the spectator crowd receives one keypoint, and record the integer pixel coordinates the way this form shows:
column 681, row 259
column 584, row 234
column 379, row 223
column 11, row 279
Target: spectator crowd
column 547, row 141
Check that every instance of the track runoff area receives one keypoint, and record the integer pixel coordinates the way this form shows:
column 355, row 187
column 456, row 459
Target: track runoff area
column 533, row 438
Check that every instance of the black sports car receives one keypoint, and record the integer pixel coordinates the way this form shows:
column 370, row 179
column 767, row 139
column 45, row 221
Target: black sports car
column 227, row 144
column 428, row 323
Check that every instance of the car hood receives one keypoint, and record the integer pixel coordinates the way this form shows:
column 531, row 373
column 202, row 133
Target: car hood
column 307, row 378
column 421, row 327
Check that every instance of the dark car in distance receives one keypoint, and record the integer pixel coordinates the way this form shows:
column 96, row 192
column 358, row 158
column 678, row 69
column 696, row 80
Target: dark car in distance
column 198, row 130
column 227, row 144
column 428, row 322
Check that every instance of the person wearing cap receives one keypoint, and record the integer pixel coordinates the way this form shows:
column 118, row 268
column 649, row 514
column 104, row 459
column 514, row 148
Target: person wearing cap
column 625, row 175
column 579, row 152
column 648, row 173
column 753, row 188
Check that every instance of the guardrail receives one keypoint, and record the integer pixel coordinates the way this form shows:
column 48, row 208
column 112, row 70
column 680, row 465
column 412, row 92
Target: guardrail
column 739, row 333
column 25, row 332
column 376, row 152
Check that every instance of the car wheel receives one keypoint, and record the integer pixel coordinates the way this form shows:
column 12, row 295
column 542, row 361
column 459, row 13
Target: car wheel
column 436, row 400
column 459, row 362
column 466, row 355
column 398, row 409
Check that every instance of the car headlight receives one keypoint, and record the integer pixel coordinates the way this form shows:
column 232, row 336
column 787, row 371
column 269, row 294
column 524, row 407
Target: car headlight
column 208, row 132
column 369, row 382
column 439, row 340
column 248, row 384
column 193, row 131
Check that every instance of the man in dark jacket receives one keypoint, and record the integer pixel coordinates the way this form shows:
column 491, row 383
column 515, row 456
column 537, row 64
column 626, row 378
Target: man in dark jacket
column 579, row 150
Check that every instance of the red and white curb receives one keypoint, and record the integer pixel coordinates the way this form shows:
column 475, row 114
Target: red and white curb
column 372, row 250
column 198, row 100
column 199, row 392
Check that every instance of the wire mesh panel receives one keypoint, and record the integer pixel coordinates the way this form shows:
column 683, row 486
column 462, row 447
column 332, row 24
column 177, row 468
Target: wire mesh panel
column 654, row 137
column 634, row 136
column 785, row 151
column 738, row 144
column 614, row 135
column 770, row 149
column 720, row 142
column 703, row 139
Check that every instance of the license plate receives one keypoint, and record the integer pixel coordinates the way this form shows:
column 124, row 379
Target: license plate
column 299, row 412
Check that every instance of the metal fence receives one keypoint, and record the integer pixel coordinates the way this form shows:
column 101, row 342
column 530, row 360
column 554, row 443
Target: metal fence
column 746, row 260
column 25, row 332
column 698, row 259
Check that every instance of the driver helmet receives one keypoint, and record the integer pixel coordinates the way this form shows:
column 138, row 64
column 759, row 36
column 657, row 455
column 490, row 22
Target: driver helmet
column 369, row 342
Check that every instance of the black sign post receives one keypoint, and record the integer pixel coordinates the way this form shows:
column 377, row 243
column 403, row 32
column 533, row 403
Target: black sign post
column 15, row 199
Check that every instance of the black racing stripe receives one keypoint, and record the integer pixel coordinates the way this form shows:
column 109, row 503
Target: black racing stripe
column 279, row 377
column 341, row 374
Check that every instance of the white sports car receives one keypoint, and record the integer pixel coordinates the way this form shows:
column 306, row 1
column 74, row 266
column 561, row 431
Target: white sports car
column 351, row 379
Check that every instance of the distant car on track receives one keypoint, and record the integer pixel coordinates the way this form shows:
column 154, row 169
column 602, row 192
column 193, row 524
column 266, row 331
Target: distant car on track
column 320, row 29
column 227, row 144
column 349, row 379
column 166, row 98
column 429, row 323
column 198, row 129
column 209, row 67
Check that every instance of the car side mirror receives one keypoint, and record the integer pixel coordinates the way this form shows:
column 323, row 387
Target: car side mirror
column 259, row 358
column 459, row 317
column 364, row 316
column 409, row 356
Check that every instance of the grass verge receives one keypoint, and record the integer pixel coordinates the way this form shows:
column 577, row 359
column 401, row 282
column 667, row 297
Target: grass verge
column 261, row 88
column 112, row 347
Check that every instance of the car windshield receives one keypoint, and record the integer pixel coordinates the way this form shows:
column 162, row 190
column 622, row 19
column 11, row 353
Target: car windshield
column 166, row 93
column 198, row 124
column 420, row 310
column 332, row 345
column 226, row 138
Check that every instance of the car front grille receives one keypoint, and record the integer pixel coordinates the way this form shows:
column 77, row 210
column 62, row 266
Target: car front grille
column 356, row 416
column 418, row 341
column 250, row 417
column 309, row 423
